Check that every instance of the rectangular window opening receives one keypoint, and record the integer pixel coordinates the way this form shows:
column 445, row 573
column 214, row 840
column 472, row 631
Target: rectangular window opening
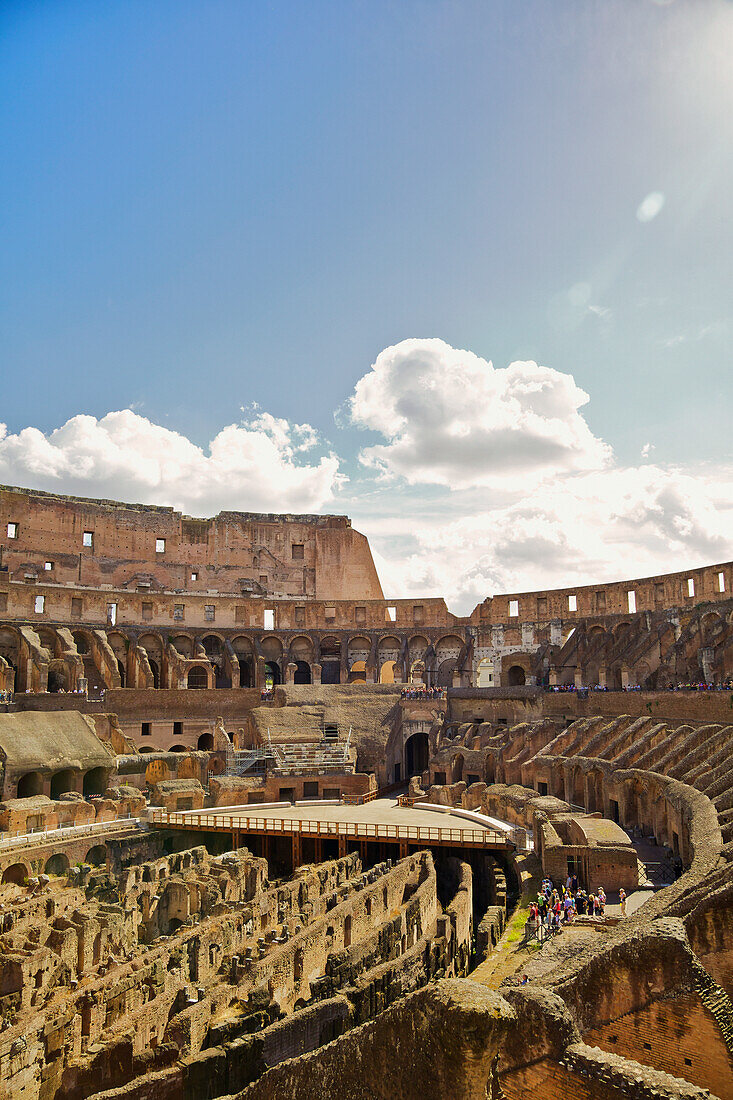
column 298, row 549
column 690, row 586
column 572, row 603
column 160, row 546
column 177, row 729
column 39, row 605
column 194, row 576
column 513, row 608
column 269, row 618
column 48, row 566
column 12, row 530
column 392, row 614
column 112, row 613
column 87, row 539
column 179, row 612
column 76, row 607
column 147, row 611
column 145, row 730
column 721, row 582
column 360, row 614
column 209, row 612
column 631, row 597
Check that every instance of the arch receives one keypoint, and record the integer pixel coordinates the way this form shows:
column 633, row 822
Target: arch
column 357, row 673
column 417, row 673
column 272, row 648
column 58, row 679
column 183, row 644
column 155, row 669
column 516, row 676
column 302, row 673
column 457, row 767
column 417, row 753
column 17, row 873
column 485, row 673
column 82, row 642
column 95, row 781
column 49, row 640
column 273, row 675
column 206, row 742
column 146, row 748
column 57, row 864
column 197, row 678
column 214, row 650
column 62, row 782
column 387, row 672
column 444, row 674
column 178, row 748
column 30, row 784
column 417, row 647
column 330, row 651
column 96, row 855
column 301, row 649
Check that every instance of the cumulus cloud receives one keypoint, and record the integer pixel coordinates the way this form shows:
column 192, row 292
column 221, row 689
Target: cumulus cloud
column 255, row 464
column 649, row 207
column 451, row 418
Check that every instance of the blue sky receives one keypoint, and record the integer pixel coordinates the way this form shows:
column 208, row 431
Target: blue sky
column 217, row 214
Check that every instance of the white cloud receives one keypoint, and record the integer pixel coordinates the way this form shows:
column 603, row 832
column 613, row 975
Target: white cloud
column 646, row 450
column 450, row 418
column 582, row 529
column 252, row 465
column 650, row 206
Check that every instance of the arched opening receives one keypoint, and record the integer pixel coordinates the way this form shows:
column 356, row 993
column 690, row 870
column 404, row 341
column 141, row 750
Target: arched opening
column 95, row 782
column 81, row 642
column 58, row 680
column 155, row 669
column 58, row 864
column 121, row 670
column 444, row 675
column 417, row 751
column 197, row 678
column 96, row 855
column 387, row 672
column 516, row 676
column 215, row 652
column 388, row 657
column 146, row 748
column 347, row 931
column 206, row 742
column 298, row 964
column 485, row 673
column 30, row 784
column 417, row 673
column 302, row 673
column 178, row 748
column 273, row 676
column 331, row 661
column 357, row 674
column 16, row 872
column 62, row 782
column 457, row 768
column 245, row 655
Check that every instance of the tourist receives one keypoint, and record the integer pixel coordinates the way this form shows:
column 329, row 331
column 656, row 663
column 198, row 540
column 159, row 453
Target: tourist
column 622, row 901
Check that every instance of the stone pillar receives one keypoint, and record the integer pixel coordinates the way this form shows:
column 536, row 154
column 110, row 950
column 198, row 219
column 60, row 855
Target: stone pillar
column 553, row 678
column 578, row 677
column 316, row 674
column 290, row 669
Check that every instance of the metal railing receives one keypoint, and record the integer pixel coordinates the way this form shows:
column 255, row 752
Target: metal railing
column 359, row 830
column 13, row 841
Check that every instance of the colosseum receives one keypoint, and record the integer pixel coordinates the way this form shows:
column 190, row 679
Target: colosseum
column 266, row 833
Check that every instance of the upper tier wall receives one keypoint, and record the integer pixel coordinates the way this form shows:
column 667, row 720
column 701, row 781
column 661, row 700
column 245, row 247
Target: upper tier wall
column 710, row 583
column 94, row 543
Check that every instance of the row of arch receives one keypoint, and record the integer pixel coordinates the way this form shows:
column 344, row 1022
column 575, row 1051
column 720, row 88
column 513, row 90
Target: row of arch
column 57, row 864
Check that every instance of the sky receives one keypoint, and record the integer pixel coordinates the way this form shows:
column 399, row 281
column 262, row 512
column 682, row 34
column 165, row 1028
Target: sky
column 460, row 269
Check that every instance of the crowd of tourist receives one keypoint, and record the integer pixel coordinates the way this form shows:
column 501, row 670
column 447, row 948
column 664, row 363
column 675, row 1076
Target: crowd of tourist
column 267, row 695
column 556, row 906
column 423, row 693
column 724, row 685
